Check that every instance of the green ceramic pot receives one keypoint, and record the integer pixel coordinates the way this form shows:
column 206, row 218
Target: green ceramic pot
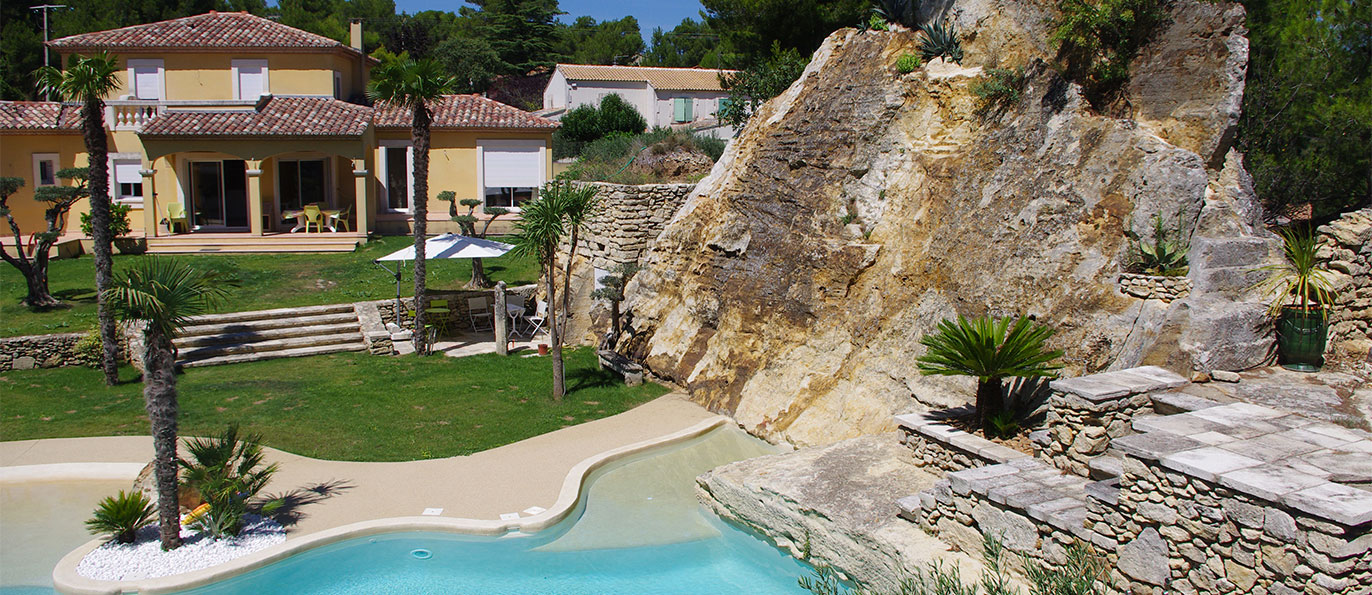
column 1301, row 336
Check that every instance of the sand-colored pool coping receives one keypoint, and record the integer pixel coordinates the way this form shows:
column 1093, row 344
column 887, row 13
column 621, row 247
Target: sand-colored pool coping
column 546, row 471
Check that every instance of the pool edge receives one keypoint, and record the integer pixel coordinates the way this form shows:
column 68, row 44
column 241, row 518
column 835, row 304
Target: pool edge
column 66, row 580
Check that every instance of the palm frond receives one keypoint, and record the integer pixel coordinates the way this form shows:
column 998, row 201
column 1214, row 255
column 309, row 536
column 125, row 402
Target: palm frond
column 1302, row 279
column 988, row 348
column 165, row 292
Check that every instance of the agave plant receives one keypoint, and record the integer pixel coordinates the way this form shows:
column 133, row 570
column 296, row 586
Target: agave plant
column 1167, row 253
column 991, row 349
column 1302, row 281
column 227, row 471
column 121, row 516
column 940, row 40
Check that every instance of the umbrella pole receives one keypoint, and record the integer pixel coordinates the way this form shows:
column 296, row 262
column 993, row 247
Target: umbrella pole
column 396, row 272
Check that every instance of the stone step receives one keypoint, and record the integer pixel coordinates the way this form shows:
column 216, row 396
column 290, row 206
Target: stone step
column 354, row 338
column 288, row 332
column 1109, row 465
column 298, row 352
column 250, row 326
column 298, row 311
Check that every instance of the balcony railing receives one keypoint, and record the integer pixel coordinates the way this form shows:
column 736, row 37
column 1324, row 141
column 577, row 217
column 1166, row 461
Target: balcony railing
column 131, row 114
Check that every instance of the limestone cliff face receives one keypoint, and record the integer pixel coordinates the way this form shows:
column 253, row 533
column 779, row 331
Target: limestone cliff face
column 765, row 305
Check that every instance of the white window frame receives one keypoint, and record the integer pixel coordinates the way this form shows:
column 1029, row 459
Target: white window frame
column 114, row 159
column 506, row 143
column 383, row 174
column 328, row 177
column 238, row 64
column 38, row 158
column 136, row 63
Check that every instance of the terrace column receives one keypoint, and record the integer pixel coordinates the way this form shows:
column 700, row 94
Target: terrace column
column 362, row 194
column 255, row 197
column 150, row 218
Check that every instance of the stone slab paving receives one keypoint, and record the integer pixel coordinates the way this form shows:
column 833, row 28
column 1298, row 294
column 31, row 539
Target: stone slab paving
column 1113, row 385
column 1042, row 491
column 1310, row 465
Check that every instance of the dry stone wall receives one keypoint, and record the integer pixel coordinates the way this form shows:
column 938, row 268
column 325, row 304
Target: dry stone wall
column 42, row 351
column 1347, row 242
column 627, row 219
column 1153, row 287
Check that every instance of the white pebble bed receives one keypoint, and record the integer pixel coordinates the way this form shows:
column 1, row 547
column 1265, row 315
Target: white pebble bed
column 144, row 557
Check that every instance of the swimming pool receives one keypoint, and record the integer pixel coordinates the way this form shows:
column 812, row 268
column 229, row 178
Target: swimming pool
column 639, row 529
column 40, row 521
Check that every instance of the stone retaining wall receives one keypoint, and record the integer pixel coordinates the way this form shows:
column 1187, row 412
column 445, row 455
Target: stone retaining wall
column 1086, row 412
column 1154, row 287
column 1347, row 243
column 42, row 351
column 458, row 318
column 936, row 444
column 628, row 218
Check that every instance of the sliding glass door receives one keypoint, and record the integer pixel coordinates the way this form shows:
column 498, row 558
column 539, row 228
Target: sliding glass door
column 219, row 193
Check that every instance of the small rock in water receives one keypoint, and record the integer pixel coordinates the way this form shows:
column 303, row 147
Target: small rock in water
column 1224, row 375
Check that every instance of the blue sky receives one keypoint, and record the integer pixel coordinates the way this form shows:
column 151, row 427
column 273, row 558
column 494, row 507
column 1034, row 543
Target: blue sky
column 650, row 13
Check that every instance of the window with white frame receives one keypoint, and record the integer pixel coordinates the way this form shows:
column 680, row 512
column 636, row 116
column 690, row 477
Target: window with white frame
column 128, row 180
column 396, row 178
column 44, row 169
column 511, row 171
column 146, row 79
column 249, row 78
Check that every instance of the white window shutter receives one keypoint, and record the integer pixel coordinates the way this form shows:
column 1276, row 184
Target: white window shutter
column 127, row 172
column 508, row 167
column 250, row 81
column 146, row 83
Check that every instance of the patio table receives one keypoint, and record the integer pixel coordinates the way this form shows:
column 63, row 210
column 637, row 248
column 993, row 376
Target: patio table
column 516, row 313
column 299, row 216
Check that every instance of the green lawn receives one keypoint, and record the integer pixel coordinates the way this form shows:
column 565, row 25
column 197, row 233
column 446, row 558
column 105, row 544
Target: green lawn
column 266, row 281
column 354, row 407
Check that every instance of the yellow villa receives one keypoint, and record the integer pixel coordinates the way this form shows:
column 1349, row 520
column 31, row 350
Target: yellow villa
column 228, row 131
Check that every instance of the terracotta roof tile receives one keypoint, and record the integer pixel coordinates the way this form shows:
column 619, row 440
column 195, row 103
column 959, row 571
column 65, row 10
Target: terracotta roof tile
column 280, row 116
column 212, row 30
column 465, row 111
column 677, row 79
column 39, row 116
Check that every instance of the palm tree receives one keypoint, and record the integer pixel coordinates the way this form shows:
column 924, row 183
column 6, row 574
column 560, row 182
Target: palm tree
column 580, row 203
column 88, row 80
column 538, row 233
column 413, row 84
column 163, row 294
column 983, row 348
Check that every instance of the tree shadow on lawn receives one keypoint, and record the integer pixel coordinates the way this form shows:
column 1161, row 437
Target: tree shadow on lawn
column 79, row 295
column 289, row 513
column 587, row 378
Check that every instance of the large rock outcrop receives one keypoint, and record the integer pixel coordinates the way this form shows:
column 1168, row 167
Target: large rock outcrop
column 862, row 206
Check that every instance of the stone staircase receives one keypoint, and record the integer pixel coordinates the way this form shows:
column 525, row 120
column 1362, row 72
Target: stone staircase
column 268, row 334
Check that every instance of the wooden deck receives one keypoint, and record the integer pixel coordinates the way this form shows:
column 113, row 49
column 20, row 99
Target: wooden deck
column 212, row 243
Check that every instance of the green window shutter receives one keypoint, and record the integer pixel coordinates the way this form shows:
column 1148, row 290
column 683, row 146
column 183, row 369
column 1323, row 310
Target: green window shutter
column 682, row 110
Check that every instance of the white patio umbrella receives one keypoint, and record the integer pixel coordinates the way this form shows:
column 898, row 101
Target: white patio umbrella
column 448, row 245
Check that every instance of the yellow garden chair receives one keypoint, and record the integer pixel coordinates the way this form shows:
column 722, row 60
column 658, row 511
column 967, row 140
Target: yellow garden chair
column 314, row 215
column 176, row 214
column 340, row 219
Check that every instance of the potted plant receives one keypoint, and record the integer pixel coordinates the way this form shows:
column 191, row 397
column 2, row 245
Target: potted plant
column 1301, row 294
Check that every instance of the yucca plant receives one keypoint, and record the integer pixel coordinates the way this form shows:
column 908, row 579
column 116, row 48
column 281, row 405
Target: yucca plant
column 990, row 349
column 121, row 516
column 940, row 40
column 227, row 470
column 1302, row 281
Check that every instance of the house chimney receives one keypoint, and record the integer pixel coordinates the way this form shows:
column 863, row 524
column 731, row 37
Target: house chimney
column 355, row 34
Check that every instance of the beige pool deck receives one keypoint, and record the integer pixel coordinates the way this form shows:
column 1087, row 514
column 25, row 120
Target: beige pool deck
column 509, row 479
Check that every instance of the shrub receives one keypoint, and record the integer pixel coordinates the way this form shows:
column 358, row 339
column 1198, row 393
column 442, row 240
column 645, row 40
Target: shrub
column 1097, row 39
column 587, row 124
column 999, row 89
column 940, row 41
column 616, row 115
column 121, row 516
column 1165, row 254
column 908, row 63
column 749, row 88
column 119, row 221
column 227, row 472
column 606, row 159
column 89, row 348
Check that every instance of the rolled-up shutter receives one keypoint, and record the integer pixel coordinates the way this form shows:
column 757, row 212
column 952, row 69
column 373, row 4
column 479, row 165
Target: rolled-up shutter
column 126, row 172
column 146, row 82
column 512, row 167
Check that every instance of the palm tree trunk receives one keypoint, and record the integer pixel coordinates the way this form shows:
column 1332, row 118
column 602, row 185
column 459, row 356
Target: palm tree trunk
column 159, row 395
column 990, row 400
column 554, row 336
column 97, row 148
column 419, row 133
column 567, row 280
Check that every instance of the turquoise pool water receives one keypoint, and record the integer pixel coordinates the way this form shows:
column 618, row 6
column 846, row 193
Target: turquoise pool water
column 640, row 530
column 40, row 521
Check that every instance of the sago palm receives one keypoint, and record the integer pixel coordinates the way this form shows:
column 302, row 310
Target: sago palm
column 538, row 233
column 990, row 349
column 413, row 84
column 121, row 516
column 89, row 80
column 163, row 294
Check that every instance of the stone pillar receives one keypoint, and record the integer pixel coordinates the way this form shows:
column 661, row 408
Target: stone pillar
column 362, row 194
column 501, row 319
column 255, row 196
column 150, row 217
